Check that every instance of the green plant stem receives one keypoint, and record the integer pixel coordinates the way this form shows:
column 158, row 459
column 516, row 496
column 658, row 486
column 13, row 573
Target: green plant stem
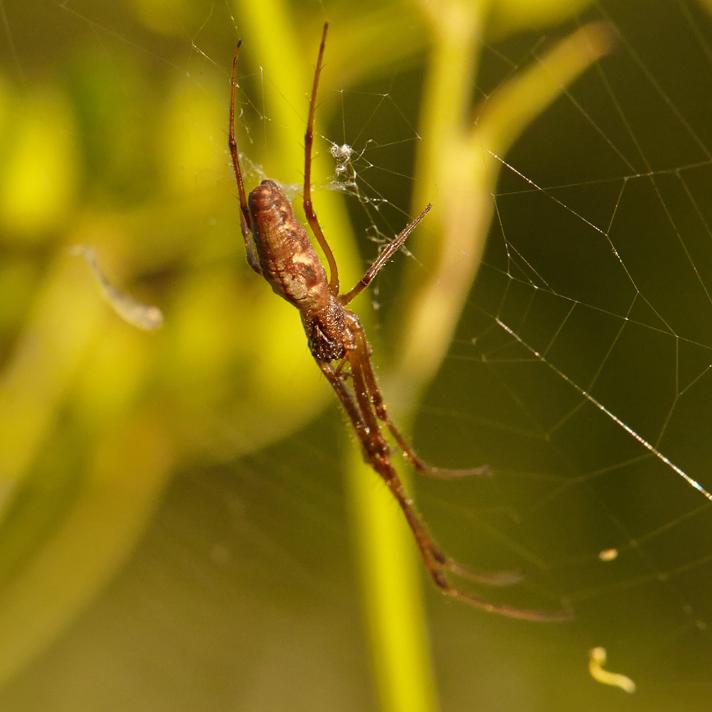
column 390, row 567
column 458, row 170
column 448, row 174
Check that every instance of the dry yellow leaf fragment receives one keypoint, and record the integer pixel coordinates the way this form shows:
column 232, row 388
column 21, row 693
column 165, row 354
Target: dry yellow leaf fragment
column 596, row 660
column 142, row 316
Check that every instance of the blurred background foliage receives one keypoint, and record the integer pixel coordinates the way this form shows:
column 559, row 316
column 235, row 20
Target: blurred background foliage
column 173, row 530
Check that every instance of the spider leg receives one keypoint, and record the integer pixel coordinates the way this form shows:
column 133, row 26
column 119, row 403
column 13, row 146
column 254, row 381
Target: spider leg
column 375, row 452
column 340, row 372
column 490, row 578
column 245, row 219
column 335, row 378
column 363, row 378
column 377, row 455
column 308, row 146
column 486, row 578
column 376, row 397
column 391, row 248
column 502, row 609
column 437, row 563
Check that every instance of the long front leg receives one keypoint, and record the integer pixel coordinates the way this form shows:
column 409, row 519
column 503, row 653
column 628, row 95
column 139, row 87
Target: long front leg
column 309, row 211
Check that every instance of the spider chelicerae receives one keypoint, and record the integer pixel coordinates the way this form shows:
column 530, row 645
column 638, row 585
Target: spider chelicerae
column 279, row 249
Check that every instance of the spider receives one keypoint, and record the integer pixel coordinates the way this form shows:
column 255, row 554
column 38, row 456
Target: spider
column 278, row 248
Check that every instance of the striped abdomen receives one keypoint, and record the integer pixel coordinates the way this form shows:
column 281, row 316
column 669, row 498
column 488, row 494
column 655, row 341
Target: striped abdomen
column 287, row 258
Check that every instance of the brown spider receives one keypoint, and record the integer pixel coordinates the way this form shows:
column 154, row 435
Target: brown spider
column 279, row 249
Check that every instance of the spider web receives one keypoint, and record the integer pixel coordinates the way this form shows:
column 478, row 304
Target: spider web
column 591, row 313
column 581, row 372
column 587, row 341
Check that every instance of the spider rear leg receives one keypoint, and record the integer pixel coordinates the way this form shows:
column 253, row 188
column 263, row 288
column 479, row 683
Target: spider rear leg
column 376, row 453
column 527, row 614
column 341, row 371
column 379, row 406
column 487, row 578
column 426, row 469
column 439, row 565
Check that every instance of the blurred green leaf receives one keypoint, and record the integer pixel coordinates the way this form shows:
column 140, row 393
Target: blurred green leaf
column 169, row 17
column 38, row 180
column 511, row 16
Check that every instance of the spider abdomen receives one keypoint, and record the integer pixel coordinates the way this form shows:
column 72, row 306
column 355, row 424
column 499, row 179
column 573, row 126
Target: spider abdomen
column 287, row 258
